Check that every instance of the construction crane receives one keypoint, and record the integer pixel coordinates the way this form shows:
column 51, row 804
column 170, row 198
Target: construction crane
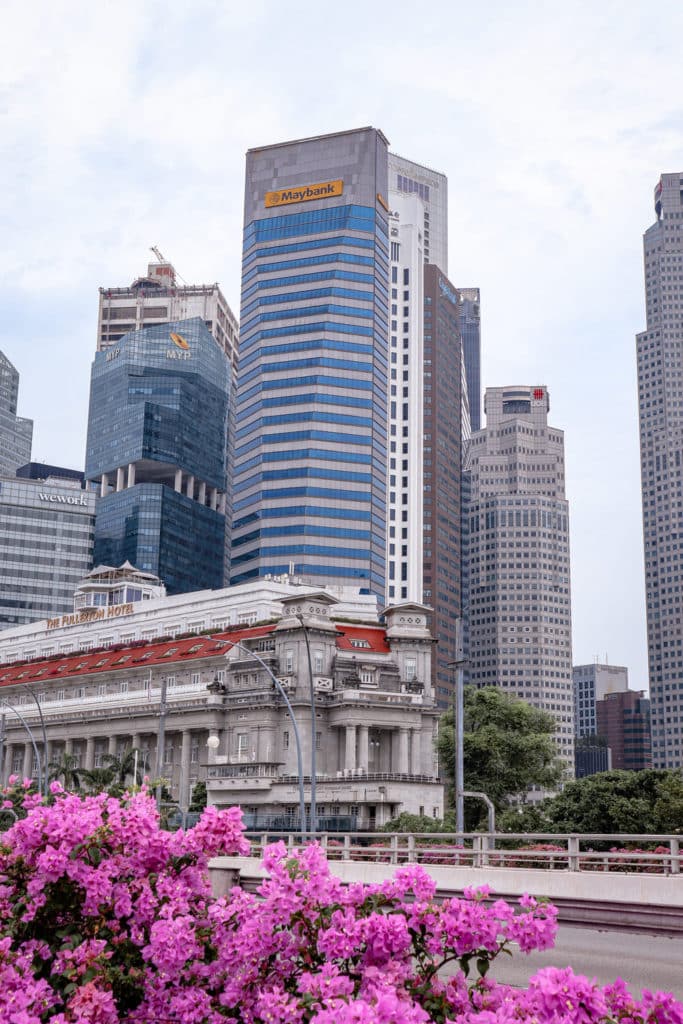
column 162, row 259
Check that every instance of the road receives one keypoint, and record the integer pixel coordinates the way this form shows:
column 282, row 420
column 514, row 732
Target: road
column 643, row 961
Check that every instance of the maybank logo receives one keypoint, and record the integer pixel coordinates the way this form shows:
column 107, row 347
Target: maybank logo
column 304, row 193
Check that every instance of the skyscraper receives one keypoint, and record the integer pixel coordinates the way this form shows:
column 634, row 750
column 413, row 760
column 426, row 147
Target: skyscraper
column 520, row 600
column 310, row 456
column 16, row 432
column 161, row 297
column 157, row 447
column 660, row 404
column 469, row 317
column 46, row 542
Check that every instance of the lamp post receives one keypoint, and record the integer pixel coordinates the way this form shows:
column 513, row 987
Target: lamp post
column 161, row 740
column 290, row 710
column 314, row 809
column 44, row 731
column 458, row 729
column 32, row 738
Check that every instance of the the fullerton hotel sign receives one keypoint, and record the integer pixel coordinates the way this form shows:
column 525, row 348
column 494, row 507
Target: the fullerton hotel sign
column 114, row 611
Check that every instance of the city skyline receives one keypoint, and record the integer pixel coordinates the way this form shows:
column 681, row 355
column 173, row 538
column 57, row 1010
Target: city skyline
column 549, row 194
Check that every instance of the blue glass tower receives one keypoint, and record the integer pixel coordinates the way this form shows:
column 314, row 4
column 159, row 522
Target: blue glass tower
column 311, row 424
column 157, row 447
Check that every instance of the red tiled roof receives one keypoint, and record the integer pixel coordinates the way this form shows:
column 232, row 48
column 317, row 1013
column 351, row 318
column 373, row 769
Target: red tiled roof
column 144, row 655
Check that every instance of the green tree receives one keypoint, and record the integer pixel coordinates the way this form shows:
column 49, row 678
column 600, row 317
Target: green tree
column 198, row 799
column 67, row 771
column 419, row 823
column 649, row 801
column 123, row 770
column 508, row 746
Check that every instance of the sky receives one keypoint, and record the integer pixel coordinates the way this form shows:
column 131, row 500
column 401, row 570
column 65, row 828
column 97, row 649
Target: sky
column 125, row 125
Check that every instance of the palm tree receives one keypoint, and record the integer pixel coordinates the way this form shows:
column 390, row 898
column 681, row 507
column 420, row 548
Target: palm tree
column 99, row 779
column 123, row 767
column 67, row 768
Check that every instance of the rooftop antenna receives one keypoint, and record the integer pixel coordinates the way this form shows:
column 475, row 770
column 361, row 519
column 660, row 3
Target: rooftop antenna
column 162, row 259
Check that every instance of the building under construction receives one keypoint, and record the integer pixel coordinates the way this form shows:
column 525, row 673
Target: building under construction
column 162, row 296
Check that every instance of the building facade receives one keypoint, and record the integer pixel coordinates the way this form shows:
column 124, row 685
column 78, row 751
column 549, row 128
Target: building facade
column 375, row 717
column 16, row 432
column 412, row 180
column 518, row 544
column 160, row 297
column 46, row 546
column 310, row 452
column 445, row 420
column 592, row 683
column 660, row 405
column 157, row 451
column 623, row 721
column 469, row 316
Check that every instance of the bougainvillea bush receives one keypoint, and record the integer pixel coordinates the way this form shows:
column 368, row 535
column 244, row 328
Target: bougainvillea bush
column 106, row 918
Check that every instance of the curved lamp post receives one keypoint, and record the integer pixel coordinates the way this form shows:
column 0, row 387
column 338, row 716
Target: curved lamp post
column 42, row 783
column 297, row 738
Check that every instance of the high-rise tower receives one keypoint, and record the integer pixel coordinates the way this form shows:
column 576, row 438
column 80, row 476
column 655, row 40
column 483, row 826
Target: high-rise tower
column 157, row 447
column 520, row 600
column 310, row 456
column 660, row 404
column 16, row 432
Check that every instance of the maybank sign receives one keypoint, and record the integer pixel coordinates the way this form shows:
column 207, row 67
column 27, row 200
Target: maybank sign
column 304, row 193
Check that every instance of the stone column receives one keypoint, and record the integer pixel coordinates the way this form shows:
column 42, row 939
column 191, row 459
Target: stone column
column 184, row 793
column 221, row 504
column 111, row 749
column 202, row 493
column 104, row 485
column 131, row 474
column 135, row 741
column 89, row 753
column 69, row 745
column 350, row 749
column 189, row 487
column 28, row 760
column 401, row 753
column 119, row 479
column 178, row 481
column 416, row 752
column 214, row 498
column 363, row 758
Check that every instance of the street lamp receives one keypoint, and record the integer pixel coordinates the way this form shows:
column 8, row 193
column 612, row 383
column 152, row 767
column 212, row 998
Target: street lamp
column 458, row 729
column 314, row 810
column 297, row 738
column 41, row 788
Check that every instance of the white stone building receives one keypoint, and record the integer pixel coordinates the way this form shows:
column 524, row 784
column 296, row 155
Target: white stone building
column 376, row 719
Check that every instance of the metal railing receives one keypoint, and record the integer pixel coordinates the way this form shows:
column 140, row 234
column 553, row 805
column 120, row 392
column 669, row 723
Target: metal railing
column 651, row 854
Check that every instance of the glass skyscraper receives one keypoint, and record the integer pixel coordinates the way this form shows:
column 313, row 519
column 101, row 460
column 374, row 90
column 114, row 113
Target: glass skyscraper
column 157, row 448
column 311, row 426
column 16, row 432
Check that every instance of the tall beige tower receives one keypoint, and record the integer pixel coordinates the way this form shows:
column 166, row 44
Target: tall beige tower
column 660, row 405
column 520, row 597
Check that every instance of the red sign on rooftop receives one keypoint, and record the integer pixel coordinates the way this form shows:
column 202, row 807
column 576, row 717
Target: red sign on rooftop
column 538, row 393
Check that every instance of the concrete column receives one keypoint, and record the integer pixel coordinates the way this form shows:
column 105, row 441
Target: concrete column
column 131, row 474
column 69, row 745
column 221, row 504
column 416, row 752
column 189, row 487
column 104, row 485
column 350, row 749
column 119, row 479
column 89, row 753
column 202, row 493
column 178, row 481
column 184, row 795
column 135, row 741
column 363, row 753
column 111, row 749
column 214, row 498
column 385, row 748
column 28, row 760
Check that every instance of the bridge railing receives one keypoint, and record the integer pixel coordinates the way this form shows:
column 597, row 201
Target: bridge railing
column 651, row 854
